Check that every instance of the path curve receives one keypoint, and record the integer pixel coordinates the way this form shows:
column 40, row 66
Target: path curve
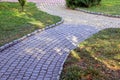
column 41, row 57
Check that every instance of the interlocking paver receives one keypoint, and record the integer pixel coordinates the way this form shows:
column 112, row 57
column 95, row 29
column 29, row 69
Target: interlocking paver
column 41, row 57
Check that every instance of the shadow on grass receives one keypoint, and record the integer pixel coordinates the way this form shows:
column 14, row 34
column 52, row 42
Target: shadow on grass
column 87, row 68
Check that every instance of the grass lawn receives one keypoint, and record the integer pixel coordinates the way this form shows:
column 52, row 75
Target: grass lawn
column 14, row 24
column 97, row 58
column 107, row 7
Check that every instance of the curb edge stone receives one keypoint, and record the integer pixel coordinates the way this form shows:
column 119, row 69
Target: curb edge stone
column 9, row 44
column 97, row 13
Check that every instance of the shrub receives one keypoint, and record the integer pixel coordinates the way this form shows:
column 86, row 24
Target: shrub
column 82, row 3
column 22, row 3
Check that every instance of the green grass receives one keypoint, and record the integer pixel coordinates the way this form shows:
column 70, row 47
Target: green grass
column 97, row 58
column 107, row 7
column 14, row 24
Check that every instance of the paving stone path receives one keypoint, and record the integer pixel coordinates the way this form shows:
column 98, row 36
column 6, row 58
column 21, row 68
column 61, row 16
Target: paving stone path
column 41, row 57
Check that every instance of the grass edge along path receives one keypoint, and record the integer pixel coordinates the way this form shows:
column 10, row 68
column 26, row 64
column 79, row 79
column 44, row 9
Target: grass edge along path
column 15, row 24
column 97, row 58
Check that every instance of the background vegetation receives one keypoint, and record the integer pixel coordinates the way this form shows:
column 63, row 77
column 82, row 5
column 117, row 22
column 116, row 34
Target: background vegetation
column 82, row 3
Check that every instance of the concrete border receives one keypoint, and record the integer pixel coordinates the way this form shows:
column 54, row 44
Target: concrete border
column 61, row 69
column 7, row 45
column 97, row 13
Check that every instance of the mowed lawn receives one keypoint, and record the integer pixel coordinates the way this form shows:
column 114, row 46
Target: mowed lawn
column 107, row 7
column 97, row 58
column 15, row 24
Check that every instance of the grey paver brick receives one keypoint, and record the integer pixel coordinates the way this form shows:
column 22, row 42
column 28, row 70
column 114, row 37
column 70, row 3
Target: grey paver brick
column 46, row 78
column 40, row 78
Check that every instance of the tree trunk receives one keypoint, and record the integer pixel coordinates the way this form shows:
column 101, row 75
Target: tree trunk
column 22, row 8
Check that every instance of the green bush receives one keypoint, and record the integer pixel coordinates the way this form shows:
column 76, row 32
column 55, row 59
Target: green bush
column 22, row 3
column 82, row 3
